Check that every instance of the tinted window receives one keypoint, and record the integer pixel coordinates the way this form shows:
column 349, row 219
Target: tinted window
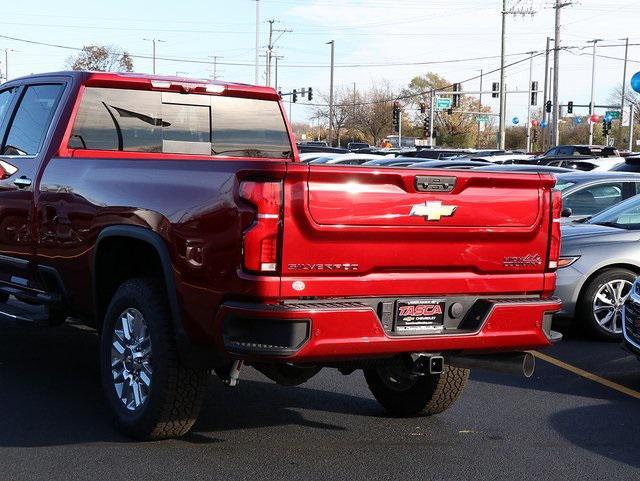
column 143, row 121
column 591, row 200
column 116, row 119
column 32, row 120
column 627, row 167
column 565, row 151
column 249, row 127
column 6, row 97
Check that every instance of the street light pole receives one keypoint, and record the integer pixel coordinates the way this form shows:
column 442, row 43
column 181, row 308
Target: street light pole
column 529, row 103
column 624, row 89
column 154, row 40
column 333, row 44
column 545, row 115
column 257, row 40
column 556, row 77
column 593, row 81
column 480, row 109
column 503, row 100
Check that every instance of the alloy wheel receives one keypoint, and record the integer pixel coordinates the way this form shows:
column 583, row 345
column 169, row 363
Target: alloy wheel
column 131, row 367
column 608, row 303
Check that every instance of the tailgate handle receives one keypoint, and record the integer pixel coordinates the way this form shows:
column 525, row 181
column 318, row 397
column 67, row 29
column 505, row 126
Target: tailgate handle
column 431, row 183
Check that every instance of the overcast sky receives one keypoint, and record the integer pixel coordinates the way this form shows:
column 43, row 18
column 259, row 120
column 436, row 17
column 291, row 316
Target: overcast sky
column 366, row 32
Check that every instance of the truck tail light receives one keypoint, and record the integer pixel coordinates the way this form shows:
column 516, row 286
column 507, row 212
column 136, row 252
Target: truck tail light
column 260, row 241
column 554, row 238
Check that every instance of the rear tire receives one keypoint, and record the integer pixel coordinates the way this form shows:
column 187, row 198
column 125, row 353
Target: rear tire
column 591, row 318
column 428, row 395
column 150, row 393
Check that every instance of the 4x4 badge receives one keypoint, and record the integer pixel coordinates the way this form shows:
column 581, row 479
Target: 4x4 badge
column 432, row 210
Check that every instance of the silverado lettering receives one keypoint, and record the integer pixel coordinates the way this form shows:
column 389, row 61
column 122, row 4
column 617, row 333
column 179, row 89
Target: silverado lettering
column 323, row 267
column 124, row 209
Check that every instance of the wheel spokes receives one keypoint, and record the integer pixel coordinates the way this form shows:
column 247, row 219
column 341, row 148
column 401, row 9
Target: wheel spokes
column 131, row 368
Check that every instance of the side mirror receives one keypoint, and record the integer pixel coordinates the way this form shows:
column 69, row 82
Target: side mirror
column 566, row 212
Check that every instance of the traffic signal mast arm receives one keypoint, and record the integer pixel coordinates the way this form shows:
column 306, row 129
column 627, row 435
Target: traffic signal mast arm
column 294, row 94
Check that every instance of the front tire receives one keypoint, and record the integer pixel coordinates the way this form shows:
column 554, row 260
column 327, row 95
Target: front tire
column 600, row 306
column 405, row 397
column 150, row 393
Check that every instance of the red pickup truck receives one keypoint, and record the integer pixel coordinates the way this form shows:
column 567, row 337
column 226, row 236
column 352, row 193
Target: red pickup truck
column 175, row 217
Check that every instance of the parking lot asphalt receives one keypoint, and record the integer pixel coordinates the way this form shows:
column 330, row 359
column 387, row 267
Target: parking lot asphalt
column 55, row 425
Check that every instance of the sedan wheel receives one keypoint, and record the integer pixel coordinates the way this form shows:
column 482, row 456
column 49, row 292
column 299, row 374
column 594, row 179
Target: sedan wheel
column 600, row 304
column 608, row 302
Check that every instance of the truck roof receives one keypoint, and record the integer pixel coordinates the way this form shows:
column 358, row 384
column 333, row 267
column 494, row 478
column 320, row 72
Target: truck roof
column 141, row 81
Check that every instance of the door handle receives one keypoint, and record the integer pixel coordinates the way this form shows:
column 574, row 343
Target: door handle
column 22, row 182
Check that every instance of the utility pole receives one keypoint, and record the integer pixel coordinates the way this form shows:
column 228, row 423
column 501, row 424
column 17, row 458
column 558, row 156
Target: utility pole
column 257, row 39
column 529, row 103
column 503, row 100
column 593, row 82
column 270, row 46
column 624, row 89
column 545, row 115
column 556, row 73
column 215, row 65
column 6, row 62
column 333, row 44
column 154, row 41
column 480, row 109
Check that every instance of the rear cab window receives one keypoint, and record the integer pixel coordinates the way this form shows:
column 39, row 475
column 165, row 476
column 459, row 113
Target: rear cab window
column 173, row 123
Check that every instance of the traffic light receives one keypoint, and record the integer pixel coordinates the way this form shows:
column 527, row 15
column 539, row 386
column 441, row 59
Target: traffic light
column 534, row 93
column 495, row 90
column 427, row 124
column 450, row 111
column 294, row 96
column 396, row 116
column 310, row 94
column 547, row 106
column 570, row 107
column 606, row 126
column 423, row 107
column 456, row 98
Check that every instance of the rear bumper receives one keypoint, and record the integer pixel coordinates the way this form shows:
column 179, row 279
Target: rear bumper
column 308, row 332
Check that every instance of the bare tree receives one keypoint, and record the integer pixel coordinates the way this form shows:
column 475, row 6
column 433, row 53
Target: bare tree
column 103, row 58
column 342, row 110
column 373, row 113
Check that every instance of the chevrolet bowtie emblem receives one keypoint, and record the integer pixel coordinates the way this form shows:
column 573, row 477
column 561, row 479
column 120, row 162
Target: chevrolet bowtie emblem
column 432, row 210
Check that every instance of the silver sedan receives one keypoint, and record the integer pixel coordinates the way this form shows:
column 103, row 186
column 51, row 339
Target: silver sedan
column 600, row 259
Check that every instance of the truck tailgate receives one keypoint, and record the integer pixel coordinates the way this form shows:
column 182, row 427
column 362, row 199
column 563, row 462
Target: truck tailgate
column 356, row 231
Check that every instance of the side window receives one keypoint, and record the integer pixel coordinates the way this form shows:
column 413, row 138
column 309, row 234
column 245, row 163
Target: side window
column 564, row 151
column 32, row 119
column 591, row 200
column 552, row 152
column 6, row 97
